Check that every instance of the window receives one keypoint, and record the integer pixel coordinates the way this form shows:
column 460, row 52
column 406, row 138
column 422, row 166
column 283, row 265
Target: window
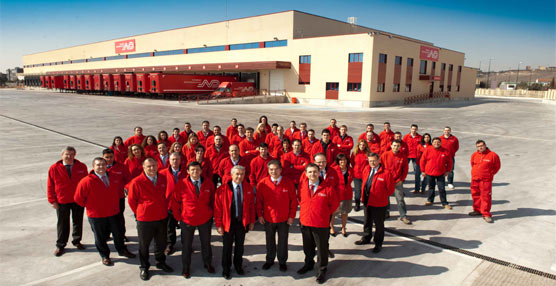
column 78, row 61
column 442, row 87
column 433, row 65
column 449, row 88
column 354, row 86
column 457, row 88
column 272, row 44
column 409, row 62
column 304, row 59
column 443, row 66
column 396, row 87
column 423, row 67
column 398, row 60
column 244, row 46
column 168, row 53
column 115, row 58
column 141, row 55
column 206, row 49
column 332, row 86
column 382, row 58
column 459, row 68
column 66, row 62
column 356, row 58
column 96, row 59
column 408, row 87
column 451, row 67
column 380, row 87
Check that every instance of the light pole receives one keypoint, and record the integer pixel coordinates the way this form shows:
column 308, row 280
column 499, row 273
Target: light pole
column 517, row 76
column 488, row 74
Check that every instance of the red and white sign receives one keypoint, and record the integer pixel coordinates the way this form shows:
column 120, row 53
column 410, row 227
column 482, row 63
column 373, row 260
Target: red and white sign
column 127, row 46
column 428, row 53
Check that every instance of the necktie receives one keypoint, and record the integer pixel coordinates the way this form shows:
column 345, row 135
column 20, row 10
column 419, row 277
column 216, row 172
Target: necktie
column 239, row 204
column 313, row 189
column 196, row 183
column 276, row 183
column 68, row 168
column 105, row 181
column 368, row 186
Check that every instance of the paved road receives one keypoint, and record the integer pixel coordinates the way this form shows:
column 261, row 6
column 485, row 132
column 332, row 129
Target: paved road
column 37, row 124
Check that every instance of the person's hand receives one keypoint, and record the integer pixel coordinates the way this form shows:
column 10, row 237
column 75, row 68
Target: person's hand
column 251, row 226
column 55, row 206
column 446, row 174
column 290, row 221
column 261, row 220
column 220, row 230
column 424, row 175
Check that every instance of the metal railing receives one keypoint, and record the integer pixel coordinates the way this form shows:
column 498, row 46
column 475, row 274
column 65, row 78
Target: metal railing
column 426, row 97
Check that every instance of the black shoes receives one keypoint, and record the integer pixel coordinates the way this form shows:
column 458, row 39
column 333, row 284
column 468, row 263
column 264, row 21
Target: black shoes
column 363, row 241
column 169, row 250
column 127, row 253
column 210, row 268
column 283, row 267
column 306, row 268
column 321, row 277
column 79, row 246
column 240, row 271
column 330, row 254
column 474, row 213
column 107, row 261
column 59, row 251
column 377, row 249
column 267, row 265
column 144, row 274
column 186, row 274
column 226, row 275
column 164, row 267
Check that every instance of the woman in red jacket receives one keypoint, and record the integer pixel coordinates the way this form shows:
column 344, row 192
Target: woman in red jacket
column 425, row 143
column 150, row 147
column 134, row 161
column 286, row 148
column 163, row 137
column 264, row 120
column 359, row 162
column 120, row 151
column 345, row 192
column 260, row 133
column 188, row 149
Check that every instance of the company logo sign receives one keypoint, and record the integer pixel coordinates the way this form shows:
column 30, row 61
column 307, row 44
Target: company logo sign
column 210, row 84
column 428, row 53
column 127, row 46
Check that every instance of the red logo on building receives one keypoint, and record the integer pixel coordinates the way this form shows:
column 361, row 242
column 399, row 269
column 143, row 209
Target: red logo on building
column 126, row 46
column 428, row 53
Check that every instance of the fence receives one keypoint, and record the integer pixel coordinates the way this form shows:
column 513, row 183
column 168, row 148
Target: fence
column 543, row 94
column 426, row 97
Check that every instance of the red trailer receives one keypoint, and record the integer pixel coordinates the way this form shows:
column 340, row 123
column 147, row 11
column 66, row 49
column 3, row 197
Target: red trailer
column 119, row 82
column 73, row 84
column 48, row 82
column 108, row 82
column 66, row 82
column 98, row 82
column 235, row 89
column 89, row 82
column 80, row 82
column 143, row 83
column 43, row 81
column 130, row 80
column 186, row 84
column 57, row 82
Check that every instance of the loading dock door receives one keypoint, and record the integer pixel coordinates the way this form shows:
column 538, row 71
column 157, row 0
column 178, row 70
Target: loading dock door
column 276, row 82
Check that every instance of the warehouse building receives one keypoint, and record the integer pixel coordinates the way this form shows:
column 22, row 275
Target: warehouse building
column 314, row 59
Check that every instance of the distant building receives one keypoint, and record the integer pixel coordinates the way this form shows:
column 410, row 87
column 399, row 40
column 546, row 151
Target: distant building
column 544, row 81
column 528, row 68
column 508, row 85
column 542, row 68
column 12, row 73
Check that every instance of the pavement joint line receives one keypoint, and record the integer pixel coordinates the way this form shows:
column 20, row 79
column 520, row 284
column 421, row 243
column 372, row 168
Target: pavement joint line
column 466, row 252
column 63, row 274
column 21, row 203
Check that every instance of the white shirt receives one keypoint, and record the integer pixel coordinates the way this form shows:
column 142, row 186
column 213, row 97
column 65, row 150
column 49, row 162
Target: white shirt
column 276, row 181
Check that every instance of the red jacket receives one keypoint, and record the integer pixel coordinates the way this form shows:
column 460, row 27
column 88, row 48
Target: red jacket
column 345, row 191
column 294, row 165
column 223, row 205
column 396, row 163
column 484, row 165
column 276, row 203
column 308, row 145
column 421, row 150
column 359, row 162
column 147, row 201
column 248, row 148
column 236, row 139
column 436, row 162
column 180, row 139
column 330, row 177
column 315, row 209
column 60, row 187
column 386, row 138
column 171, row 181
column 404, row 148
column 280, row 152
column 331, row 152
column 216, row 156
column 210, row 141
column 374, row 144
column 451, row 144
column 134, row 166
column 259, row 137
column 185, row 136
column 275, row 145
column 382, row 187
column 268, row 138
column 151, row 151
column 288, row 133
column 226, row 166
column 122, row 173
column 188, row 207
column 159, row 162
column 120, row 153
column 258, row 169
column 334, row 131
column 134, row 140
column 346, row 144
column 203, row 138
column 206, row 166
column 412, row 143
column 231, row 131
column 301, row 135
column 363, row 136
column 99, row 200
column 189, row 153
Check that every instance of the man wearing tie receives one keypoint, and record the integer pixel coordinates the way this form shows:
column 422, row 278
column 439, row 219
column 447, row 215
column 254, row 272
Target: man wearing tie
column 379, row 186
column 122, row 173
column 63, row 177
column 192, row 205
column 234, row 216
column 317, row 203
column 162, row 158
column 99, row 194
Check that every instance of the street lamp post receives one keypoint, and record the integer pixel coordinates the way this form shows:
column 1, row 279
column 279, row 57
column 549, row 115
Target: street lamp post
column 517, row 76
column 488, row 74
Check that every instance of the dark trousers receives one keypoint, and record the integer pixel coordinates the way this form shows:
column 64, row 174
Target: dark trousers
column 216, row 179
column 148, row 231
column 171, row 235
column 315, row 237
column 102, row 227
column 357, row 189
column 187, row 232
column 282, row 228
column 417, row 171
column 63, row 226
column 235, row 237
column 374, row 215
column 121, row 216
column 451, row 172
column 441, row 181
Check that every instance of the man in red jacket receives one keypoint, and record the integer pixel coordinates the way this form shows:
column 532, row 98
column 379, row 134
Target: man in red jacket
column 325, row 146
column 176, row 137
column 450, row 143
column 234, row 216
column 122, row 172
column 435, row 164
column 386, row 137
column 232, row 129
column 484, row 165
column 343, row 141
column 147, row 199
column 249, row 147
column 396, row 162
column 309, row 141
column 216, row 153
column 228, row 163
column 137, row 138
column 334, row 130
column 379, row 186
column 193, row 204
column 258, row 166
column 204, row 133
column 294, row 162
column 370, row 128
column 318, row 202
column 302, row 134
column 292, row 131
column 217, row 131
column 63, row 177
column 186, row 132
column 99, row 194
column 276, row 209
column 163, row 157
column 238, row 136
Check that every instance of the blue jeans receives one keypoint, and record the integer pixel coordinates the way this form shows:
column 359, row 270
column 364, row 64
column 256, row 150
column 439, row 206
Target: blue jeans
column 451, row 172
column 417, row 171
column 357, row 189
column 441, row 181
column 398, row 193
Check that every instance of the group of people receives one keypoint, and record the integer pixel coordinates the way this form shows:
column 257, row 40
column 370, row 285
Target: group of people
column 193, row 180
